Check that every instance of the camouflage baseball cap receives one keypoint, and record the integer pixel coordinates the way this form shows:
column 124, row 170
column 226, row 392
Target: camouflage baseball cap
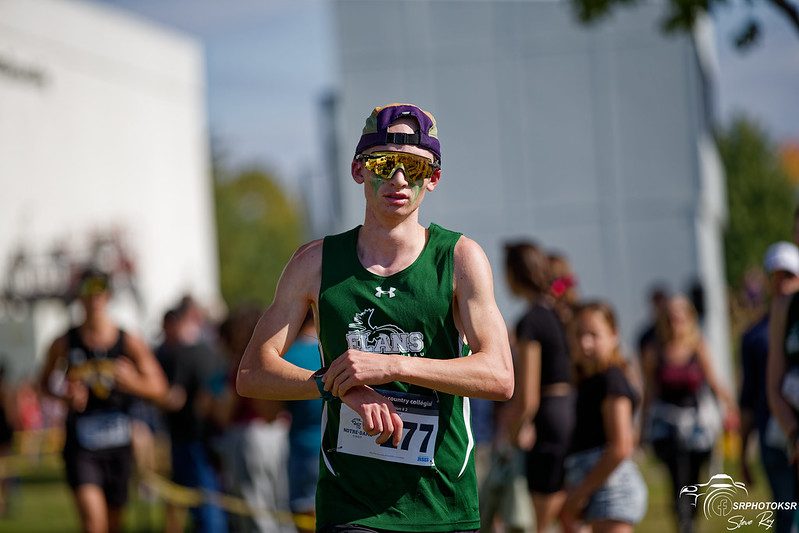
column 375, row 131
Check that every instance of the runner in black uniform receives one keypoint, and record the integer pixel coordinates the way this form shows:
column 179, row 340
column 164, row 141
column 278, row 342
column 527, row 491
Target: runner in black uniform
column 105, row 368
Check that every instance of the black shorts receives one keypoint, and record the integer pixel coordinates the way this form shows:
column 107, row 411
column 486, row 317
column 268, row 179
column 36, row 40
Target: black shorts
column 108, row 469
column 554, row 425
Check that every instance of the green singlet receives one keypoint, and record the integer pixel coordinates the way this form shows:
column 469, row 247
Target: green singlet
column 427, row 483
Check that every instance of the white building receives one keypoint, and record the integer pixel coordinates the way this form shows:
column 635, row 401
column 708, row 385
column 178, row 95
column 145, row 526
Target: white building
column 102, row 130
column 595, row 141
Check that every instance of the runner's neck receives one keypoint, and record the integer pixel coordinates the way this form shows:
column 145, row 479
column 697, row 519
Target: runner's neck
column 388, row 250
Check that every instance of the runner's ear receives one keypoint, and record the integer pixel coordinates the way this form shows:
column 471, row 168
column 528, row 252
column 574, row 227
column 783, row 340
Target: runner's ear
column 357, row 169
column 434, row 179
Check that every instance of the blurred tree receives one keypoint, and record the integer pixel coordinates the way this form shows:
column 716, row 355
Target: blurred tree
column 258, row 228
column 761, row 199
column 682, row 14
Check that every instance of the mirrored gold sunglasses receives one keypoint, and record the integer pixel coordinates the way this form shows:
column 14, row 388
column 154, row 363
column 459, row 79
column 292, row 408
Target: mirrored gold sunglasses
column 385, row 164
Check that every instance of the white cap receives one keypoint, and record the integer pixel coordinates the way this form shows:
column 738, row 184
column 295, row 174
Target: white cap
column 782, row 256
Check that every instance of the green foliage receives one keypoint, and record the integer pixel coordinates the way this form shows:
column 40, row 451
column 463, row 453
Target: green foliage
column 681, row 15
column 759, row 194
column 258, row 228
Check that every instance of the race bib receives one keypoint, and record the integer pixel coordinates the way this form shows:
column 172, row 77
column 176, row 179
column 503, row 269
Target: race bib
column 102, row 431
column 419, row 416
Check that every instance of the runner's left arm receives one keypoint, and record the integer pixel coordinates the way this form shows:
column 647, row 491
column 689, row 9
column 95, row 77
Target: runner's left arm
column 138, row 372
column 486, row 373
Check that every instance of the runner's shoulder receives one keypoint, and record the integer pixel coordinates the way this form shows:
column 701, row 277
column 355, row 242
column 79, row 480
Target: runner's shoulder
column 306, row 263
column 470, row 259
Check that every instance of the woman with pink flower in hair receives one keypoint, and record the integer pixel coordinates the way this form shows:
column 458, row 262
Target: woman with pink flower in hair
column 541, row 413
column 563, row 287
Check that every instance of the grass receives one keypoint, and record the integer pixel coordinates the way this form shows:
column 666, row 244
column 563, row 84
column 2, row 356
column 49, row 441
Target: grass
column 43, row 502
column 660, row 514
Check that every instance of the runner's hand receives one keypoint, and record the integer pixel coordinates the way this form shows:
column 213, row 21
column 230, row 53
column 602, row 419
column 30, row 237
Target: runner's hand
column 377, row 413
column 355, row 367
column 76, row 395
column 126, row 376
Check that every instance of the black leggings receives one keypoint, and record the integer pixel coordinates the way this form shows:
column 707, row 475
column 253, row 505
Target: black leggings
column 684, row 467
column 554, row 425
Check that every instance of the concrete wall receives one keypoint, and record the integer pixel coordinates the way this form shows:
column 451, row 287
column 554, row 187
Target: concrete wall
column 593, row 141
column 102, row 125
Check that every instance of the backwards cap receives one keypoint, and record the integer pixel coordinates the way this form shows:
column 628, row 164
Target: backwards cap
column 375, row 131
column 782, row 256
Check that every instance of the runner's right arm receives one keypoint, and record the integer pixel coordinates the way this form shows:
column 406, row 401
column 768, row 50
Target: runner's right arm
column 75, row 393
column 264, row 374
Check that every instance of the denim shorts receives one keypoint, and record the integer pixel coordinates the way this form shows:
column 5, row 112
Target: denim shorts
column 622, row 498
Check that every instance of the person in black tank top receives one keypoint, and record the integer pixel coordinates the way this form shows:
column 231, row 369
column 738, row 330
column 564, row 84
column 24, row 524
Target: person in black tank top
column 105, row 367
column 543, row 405
column 679, row 377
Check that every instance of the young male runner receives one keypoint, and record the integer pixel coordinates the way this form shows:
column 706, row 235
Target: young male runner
column 395, row 305
column 106, row 367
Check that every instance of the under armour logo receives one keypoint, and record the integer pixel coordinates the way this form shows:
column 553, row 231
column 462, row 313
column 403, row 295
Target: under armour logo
column 379, row 292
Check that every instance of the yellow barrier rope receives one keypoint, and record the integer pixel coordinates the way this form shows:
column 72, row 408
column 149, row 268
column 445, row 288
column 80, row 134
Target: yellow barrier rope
column 19, row 465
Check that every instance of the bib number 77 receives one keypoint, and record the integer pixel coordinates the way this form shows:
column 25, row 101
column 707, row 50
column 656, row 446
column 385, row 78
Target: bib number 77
column 420, row 426
column 409, row 430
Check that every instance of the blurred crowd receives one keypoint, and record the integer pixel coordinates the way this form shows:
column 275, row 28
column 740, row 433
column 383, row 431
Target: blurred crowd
column 190, row 426
column 582, row 408
column 560, row 454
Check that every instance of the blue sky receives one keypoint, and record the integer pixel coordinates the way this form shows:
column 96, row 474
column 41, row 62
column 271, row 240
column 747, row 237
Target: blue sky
column 269, row 62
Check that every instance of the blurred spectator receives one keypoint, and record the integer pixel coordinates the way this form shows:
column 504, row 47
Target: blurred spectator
column 7, row 424
column 754, row 288
column 254, row 447
column 197, row 319
column 696, row 293
column 605, row 488
column 782, row 266
column 191, row 367
column 29, row 420
column 684, row 422
column 482, row 412
column 796, row 226
column 542, row 407
column 563, row 287
column 782, row 373
column 105, row 368
column 505, row 503
column 306, row 418
column 658, row 297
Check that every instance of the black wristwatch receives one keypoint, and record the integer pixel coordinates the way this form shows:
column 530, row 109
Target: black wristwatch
column 317, row 377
